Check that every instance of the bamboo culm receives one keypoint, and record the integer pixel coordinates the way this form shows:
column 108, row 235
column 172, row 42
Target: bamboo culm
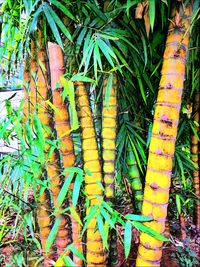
column 95, row 254
column 62, row 125
column 134, row 177
column 162, row 144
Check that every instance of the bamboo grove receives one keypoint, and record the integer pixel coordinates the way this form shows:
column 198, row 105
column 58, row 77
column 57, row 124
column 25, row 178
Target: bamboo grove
column 108, row 130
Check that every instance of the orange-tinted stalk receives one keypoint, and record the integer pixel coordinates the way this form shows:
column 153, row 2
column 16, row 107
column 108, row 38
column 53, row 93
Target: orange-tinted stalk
column 162, row 144
column 195, row 157
column 62, row 125
column 45, row 118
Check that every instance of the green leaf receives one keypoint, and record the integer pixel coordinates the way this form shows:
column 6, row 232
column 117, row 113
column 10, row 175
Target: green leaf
column 102, row 230
column 127, row 238
column 80, row 77
column 69, row 92
column 52, row 25
column 76, row 189
column 105, row 50
column 60, row 24
column 63, row 191
column 52, row 234
column 73, row 170
column 140, row 85
column 63, row 9
column 80, row 39
column 68, row 262
column 138, row 218
column 178, row 203
column 75, row 215
column 152, row 11
column 35, row 19
column 108, row 89
column 97, row 11
column 107, row 217
column 39, row 130
column 180, row 165
column 89, row 217
column 88, row 45
column 97, row 54
column 140, row 226
column 76, row 252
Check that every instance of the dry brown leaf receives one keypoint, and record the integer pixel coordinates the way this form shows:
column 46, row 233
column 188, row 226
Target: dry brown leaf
column 139, row 10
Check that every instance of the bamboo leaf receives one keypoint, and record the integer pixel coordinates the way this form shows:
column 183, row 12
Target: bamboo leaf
column 63, row 9
column 88, row 46
column 108, row 89
column 97, row 11
column 52, row 234
column 89, row 217
column 89, row 56
column 140, row 226
column 54, row 108
column 152, row 11
column 180, row 165
column 69, row 92
column 35, row 19
column 75, row 215
column 60, row 24
column 104, row 48
column 138, row 218
column 107, row 217
column 127, row 238
column 73, row 170
column 97, row 55
column 39, row 130
column 76, row 189
column 140, row 85
column 68, row 262
column 80, row 39
column 102, row 230
column 64, row 189
column 80, row 77
column 76, row 252
column 52, row 25
column 178, row 204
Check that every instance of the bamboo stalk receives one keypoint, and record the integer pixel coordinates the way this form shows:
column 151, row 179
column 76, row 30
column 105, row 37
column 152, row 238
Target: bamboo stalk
column 62, row 125
column 134, row 177
column 95, row 254
column 195, row 157
column 162, row 145
column 109, row 125
column 45, row 118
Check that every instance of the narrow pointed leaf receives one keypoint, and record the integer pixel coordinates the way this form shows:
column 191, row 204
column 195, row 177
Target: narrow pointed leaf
column 127, row 238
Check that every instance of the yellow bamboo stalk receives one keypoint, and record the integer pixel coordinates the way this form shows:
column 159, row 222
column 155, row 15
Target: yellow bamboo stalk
column 109, row 125
column 162, row 145
column 62, row 125
column 95, row 254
